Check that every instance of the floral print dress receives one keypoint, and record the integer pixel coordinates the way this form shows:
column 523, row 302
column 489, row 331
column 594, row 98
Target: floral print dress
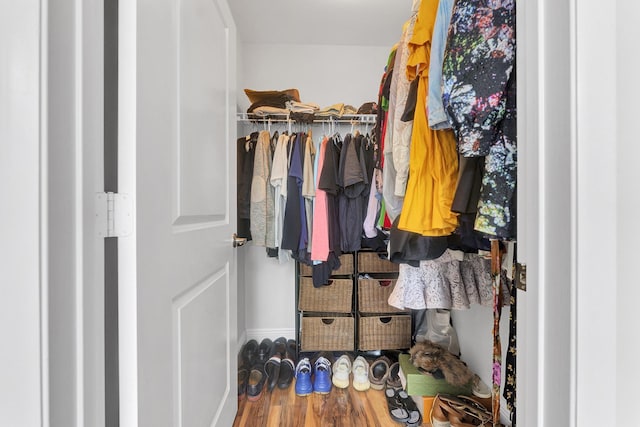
column 479, row 99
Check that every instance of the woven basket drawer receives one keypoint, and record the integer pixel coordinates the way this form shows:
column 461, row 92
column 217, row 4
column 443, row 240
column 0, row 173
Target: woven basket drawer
column 327, row 334
column 384, row 332
column 373, row 295
column 370, row 262
column 346, row 267
column 335, row 297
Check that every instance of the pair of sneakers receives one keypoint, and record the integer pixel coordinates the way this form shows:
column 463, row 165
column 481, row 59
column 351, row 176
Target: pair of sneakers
column 321, row 376
column 343, row 368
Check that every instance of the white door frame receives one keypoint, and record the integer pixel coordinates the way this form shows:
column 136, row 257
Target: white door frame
column 567, row 211
column 51, row 260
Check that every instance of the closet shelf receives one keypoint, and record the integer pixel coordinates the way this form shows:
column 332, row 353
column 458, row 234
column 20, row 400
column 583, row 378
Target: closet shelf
column 283, row 118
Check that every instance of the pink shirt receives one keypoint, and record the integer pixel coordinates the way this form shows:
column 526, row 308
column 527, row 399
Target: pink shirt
column 320, row 241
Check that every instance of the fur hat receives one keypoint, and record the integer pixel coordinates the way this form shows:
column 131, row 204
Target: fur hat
column 431, row 358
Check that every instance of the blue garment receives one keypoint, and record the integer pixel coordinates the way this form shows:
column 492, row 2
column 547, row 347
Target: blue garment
column 435, row 110
column 294, row 233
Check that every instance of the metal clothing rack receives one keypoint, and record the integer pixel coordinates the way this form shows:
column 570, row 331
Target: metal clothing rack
column 285, row 118
column 332, row 122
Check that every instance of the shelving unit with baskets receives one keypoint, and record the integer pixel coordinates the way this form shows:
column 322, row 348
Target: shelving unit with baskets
column 351, row 313
column 324, row 316
column 380, row 326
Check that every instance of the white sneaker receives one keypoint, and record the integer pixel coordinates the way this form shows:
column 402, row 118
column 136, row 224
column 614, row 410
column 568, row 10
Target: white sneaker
column 360, row 371
column 341, row 371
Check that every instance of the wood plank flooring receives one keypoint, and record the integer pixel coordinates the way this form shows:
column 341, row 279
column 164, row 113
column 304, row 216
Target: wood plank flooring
column 340, row 408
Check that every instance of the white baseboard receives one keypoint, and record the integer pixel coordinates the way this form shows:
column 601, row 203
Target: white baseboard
column 260, row 334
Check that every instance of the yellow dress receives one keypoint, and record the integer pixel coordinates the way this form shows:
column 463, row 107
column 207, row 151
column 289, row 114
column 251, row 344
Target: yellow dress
column 433, row 158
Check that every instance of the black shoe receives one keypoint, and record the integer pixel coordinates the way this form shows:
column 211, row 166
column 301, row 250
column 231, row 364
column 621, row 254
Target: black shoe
column 248, row 355
column 264, row 350
column 255, row 383
column 288, row 366
column 273, row 365
column 243, row 378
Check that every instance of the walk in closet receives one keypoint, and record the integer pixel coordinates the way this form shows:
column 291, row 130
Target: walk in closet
column 339, row 59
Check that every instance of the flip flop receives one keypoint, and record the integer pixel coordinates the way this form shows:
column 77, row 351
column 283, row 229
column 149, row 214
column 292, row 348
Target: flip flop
column 415, row 417
column 397, row 409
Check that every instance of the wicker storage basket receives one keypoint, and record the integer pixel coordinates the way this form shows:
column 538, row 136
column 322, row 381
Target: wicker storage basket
column 346, row 267
column 373, row 295
column 384, row 332
column 327, row 333
column 335, row 298
column 370, row 262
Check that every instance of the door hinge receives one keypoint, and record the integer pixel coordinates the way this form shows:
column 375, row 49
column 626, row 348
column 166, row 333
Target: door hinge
column 521, row 276
column 114, row 215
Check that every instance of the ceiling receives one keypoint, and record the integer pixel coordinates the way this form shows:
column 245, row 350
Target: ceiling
column 329, row 22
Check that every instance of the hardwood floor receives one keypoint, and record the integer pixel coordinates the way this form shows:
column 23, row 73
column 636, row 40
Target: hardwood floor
column 340, row 408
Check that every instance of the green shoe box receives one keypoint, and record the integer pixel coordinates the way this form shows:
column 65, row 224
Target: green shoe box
column 417, row 383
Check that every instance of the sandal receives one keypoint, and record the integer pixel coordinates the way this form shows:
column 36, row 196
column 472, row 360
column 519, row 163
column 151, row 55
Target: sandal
column 397, row 410
column 415, row 417
column 459, row 410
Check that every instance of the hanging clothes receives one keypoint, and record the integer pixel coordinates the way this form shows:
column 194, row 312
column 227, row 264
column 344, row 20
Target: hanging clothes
column 320, row 242
column 294, row 232
column 497, row 205
column 353, row 178
column 433, row 160
column 329, row 182
column 398, row 93
column 309, row 187
column 262, row 194
column 246, row 150
column 279, row 180
column 451, row 281
column 438, row 283
column 435, row 109
column 481, row 37
column 481, row 106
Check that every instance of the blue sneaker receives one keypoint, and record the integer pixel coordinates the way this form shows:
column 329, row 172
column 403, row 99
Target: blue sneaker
column 303, row 378
column 322, row 379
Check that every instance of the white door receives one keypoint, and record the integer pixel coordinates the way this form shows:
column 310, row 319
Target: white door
column 177, row 272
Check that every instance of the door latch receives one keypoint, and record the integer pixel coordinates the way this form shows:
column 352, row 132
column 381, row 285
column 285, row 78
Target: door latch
column 238, row 241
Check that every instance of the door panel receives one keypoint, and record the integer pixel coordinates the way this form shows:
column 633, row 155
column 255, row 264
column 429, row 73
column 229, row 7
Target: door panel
column 178, row 328
column 202, row 60
column 197, row 361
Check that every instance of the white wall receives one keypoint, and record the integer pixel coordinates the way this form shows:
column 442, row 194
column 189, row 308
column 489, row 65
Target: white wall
column 475, row 333
column 324, row 75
